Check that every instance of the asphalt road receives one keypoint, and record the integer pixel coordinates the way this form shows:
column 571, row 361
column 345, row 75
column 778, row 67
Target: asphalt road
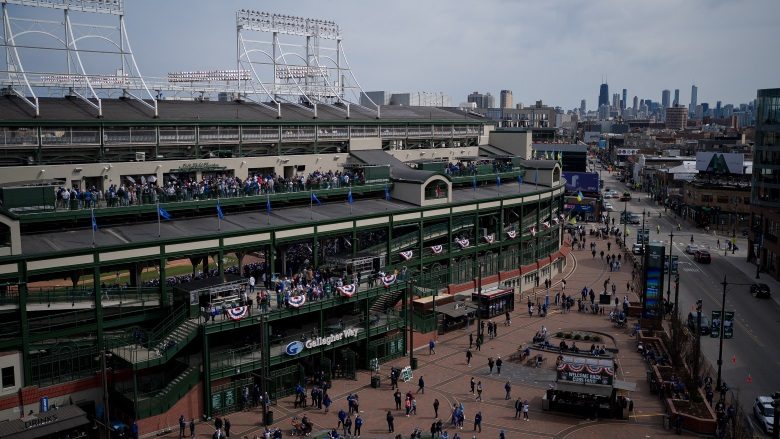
column 754, row 352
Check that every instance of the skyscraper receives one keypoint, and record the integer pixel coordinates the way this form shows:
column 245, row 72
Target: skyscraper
column 623, row 103
column 604, row 95
column 583, row 107
column 482, row 100
column 676, row 101
column 616, row 101
column 636, row 103
column 694, row 99
column 666, row 100
column 506, row 98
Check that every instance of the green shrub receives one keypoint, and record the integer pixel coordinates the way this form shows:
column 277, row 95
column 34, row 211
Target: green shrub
column 586, row 337
column 596, row 338
column 559, row 334
column 577, row 336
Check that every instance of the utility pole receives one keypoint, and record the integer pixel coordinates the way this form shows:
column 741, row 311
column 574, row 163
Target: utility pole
column 669, row 284
column 720, row 327
column 625, row 222
column 697, row 351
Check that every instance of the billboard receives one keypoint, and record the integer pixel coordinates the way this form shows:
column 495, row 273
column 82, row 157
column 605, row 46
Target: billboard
column 728, row 325
column 720, row 163
column 652, row 306
column 581, row 181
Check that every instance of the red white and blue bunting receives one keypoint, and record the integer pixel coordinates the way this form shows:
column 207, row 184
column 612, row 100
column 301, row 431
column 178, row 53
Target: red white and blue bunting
column 347, row 290
column 407, row 255
column 592, row 369
column 511, row 234
column 463, row 243
column 546, row 224
column 532, row 229
column 297, row 301
column 389, row 280
column 437, row 249
column 238, row 312
column 562, row 216
column 556, row 220
column 490, row 238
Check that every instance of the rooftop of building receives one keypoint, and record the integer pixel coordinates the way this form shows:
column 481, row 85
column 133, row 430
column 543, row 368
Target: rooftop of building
column 13, row 109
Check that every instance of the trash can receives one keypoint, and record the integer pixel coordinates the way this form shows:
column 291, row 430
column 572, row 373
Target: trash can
column 413, row 363
column 269, row 418
column 375, row 382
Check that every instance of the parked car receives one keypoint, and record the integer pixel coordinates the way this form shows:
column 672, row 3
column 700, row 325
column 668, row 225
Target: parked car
column 760, row 290
column 638, row 249
column 705, row 323
column 702, row 256
column 691, row 249
column 764, row 413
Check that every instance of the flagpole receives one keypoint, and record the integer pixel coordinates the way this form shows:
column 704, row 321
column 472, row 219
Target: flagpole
column 311, row 205
column 93, row 227
column 159, row 224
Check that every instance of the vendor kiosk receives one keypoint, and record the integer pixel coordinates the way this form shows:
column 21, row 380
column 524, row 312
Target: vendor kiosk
column 494, row 303
column 586, row 386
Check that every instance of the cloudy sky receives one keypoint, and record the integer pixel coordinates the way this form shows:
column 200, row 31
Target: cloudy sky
column 557, row 51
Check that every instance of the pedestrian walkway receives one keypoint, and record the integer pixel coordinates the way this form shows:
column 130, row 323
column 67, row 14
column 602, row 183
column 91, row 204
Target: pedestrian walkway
column 447, row 376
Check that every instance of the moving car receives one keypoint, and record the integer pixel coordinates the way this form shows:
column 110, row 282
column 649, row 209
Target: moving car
column 638, row 249
column 631, row 219
column 691, row 249
column 609, row 207
column 702, row 256
column 608, row 195
column 626, row 196
column 764, row 413
column 705, row 323
column 760, row 290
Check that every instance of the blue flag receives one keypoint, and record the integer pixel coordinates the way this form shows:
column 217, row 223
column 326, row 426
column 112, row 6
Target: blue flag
column 520, row 180
column 94, row 223
column 163, row 213
column 220, row 215
column 498, row 180
column 315, row 199
column 268, row 204
column 474, row 182
column 387, row 193
column 349, row 197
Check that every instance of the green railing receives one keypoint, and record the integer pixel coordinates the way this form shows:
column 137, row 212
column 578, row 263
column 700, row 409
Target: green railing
column 64, row 294
column 204, row 202
column 386, row 348
column 157, row 402
column 424, row 322
column 489, row 176
column 231, row 362
column 9, row 294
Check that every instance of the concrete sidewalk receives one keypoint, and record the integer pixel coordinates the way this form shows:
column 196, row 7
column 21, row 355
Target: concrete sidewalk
column 447, row 376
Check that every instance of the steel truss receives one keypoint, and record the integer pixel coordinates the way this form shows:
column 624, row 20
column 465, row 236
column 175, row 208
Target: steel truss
column 23, row 35
column 302, row 73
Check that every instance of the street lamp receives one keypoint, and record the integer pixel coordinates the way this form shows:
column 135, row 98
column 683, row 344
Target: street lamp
column 760, row 241
column 479, row 301
column 669, row 284
column 625, row 221
column 410, row 313
column 721, row 329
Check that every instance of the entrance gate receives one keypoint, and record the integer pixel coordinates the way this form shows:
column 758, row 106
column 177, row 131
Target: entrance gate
column 347, row 363
column 282, row 382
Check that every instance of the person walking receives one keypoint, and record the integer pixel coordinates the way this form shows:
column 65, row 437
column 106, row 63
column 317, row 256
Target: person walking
column 227, row 428
column 499, row 362
column 436, row 407
column 431, row 347
column 479, row 343
column 518, row 407
column 390, row 419
column 478, row 421
column 473, row 385
column 479, row 391
column 491, row 363
column 471, row 339
column 397, row 396
column 358, row 424
column 192, row 427
column 508, row 389
column 468, row 357
column 421, row 385
column 525, row 410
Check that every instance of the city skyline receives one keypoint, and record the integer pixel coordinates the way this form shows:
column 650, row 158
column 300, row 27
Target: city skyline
column 426, row 46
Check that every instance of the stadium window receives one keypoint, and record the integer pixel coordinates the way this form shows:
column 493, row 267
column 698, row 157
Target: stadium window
column 8, row 378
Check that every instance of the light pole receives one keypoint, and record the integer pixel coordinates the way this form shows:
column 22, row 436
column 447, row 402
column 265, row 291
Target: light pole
column 720, row 328
column 760, row 241
column 410, row 313
column 669, row 284
column 479, row 302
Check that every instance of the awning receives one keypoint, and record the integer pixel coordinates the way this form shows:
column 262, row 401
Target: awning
column 591, row 389
column 624, row 385
column 450, row 310
column 44, row 424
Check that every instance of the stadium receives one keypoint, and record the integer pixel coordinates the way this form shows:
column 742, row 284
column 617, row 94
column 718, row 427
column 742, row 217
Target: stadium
column 161, row 257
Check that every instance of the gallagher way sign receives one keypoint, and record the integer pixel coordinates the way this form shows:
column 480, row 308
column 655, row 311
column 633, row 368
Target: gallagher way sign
column 330, row 339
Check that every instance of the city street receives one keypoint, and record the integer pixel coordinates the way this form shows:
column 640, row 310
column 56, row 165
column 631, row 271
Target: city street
column 752, row 358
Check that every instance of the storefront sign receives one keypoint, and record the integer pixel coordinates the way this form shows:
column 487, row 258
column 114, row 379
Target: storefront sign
column 37, row 422
column 654, row 282
column 294, row 348
column 190, row 167
column 328, row 340
column 585, row 373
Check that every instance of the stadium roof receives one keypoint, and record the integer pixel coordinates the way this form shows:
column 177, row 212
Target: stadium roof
column 126, row 110
column 398, row 170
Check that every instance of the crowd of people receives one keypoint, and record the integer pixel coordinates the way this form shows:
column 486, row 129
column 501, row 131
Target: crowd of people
column 139, row 190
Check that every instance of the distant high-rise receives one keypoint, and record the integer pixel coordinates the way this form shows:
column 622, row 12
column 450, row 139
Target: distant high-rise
column 676, row 101
column 482, row 100
column 636, row 103
column 616, row 101
column 676, row 117
column 603, row 95
column 506, row 98
column 583, row 107
column 694, row 99
column 490, row 100
column 666, row 98
column 717, row 114
column 625, row 99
